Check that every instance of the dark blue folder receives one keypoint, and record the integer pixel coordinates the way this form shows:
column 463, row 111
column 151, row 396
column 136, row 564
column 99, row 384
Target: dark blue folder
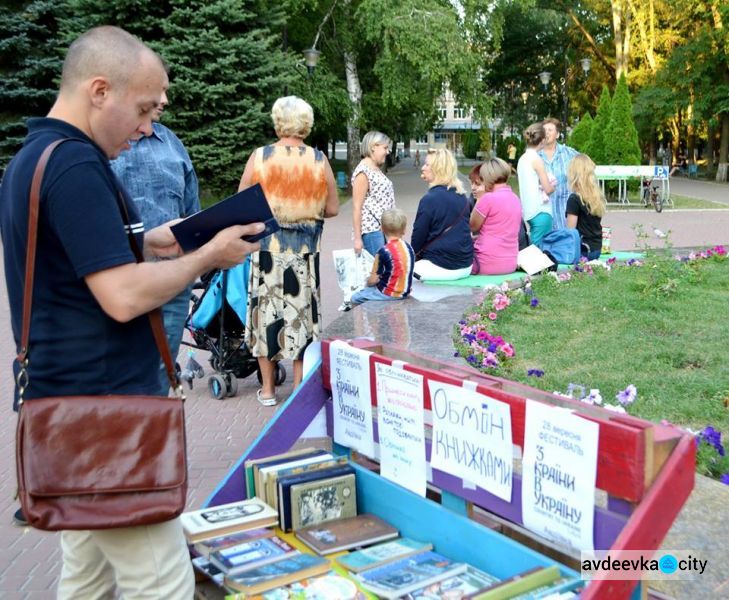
column 248, row 206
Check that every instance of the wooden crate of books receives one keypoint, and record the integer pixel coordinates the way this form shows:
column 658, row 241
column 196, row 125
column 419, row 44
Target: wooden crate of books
column 644, row 473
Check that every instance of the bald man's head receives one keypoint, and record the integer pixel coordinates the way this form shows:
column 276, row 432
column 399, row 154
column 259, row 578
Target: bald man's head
column 105, row 51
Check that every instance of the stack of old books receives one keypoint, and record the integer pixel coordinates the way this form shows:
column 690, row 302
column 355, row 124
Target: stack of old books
column 311, row 496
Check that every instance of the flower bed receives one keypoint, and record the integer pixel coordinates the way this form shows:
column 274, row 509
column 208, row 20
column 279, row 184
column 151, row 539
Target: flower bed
column 635, row 336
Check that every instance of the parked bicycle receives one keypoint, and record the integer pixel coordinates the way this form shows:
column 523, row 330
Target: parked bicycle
column 652, row 195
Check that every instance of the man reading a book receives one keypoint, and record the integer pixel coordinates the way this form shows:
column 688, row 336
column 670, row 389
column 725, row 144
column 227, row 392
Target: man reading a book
column 88, row 332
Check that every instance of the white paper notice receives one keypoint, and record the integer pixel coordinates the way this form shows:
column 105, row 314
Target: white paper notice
column 401, row 424
column 558, row 476
column 352, row 410
column 472, row 437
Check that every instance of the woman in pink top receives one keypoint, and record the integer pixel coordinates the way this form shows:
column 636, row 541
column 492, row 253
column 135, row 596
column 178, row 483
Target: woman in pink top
column 495, row 219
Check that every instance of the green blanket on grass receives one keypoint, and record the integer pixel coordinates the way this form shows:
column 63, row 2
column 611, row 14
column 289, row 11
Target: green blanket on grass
column 481, row 281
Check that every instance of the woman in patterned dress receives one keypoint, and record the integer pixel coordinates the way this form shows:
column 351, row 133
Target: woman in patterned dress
column 283, row 315
column 372, row 193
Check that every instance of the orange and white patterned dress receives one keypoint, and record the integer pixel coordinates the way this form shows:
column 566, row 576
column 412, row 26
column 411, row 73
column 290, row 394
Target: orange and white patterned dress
column 284, row 314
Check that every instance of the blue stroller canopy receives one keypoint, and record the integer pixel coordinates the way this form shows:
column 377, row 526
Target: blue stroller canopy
column 236, row 294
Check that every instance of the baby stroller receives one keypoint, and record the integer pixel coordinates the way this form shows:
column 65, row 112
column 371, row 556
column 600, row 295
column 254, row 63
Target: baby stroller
column 217, row 324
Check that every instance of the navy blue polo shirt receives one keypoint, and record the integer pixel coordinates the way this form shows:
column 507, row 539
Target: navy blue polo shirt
column 75, row 347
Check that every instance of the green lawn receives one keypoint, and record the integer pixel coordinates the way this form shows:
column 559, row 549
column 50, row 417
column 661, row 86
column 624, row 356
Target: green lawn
column 659, row 327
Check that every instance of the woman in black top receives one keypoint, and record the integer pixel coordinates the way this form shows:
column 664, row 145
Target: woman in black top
column 441, row 236
column 585, row 205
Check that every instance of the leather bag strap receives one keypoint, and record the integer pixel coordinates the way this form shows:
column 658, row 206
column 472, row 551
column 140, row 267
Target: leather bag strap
column 155, row 316
column 446, row 230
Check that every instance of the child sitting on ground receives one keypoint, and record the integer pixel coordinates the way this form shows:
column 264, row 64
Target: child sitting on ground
column 392, row 271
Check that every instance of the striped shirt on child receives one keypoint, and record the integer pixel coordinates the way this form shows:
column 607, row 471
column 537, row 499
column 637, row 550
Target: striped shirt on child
column 394, row 264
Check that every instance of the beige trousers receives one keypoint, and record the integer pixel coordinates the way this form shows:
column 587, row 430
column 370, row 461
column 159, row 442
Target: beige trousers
column 140, row 563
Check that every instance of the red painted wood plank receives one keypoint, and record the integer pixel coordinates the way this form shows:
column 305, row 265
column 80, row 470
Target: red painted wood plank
column 651, row 520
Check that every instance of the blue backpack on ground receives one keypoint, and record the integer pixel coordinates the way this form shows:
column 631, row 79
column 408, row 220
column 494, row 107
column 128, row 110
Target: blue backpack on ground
column 562, row 246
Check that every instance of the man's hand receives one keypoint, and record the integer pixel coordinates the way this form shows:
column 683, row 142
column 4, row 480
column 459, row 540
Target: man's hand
column 161, row 243
column 227, row 249
column 373, row 279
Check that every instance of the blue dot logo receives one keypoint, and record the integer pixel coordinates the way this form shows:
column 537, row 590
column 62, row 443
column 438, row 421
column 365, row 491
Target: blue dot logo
column 668, row 564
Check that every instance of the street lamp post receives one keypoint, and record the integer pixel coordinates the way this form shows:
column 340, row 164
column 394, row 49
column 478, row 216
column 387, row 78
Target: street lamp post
column 546, row 76
column 311, row 59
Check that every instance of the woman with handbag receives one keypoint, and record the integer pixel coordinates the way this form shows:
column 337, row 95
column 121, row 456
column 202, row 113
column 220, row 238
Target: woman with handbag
column 441, row 237
column 372, row 193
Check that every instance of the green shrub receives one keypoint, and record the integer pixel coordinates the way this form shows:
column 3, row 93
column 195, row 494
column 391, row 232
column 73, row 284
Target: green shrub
column 621, row 137
column 580, row 137
column 596, row 148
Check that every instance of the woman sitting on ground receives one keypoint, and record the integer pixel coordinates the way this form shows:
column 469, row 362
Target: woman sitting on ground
column 585, row 205
column 441, row 236
column 496, row 220
column 372, row 193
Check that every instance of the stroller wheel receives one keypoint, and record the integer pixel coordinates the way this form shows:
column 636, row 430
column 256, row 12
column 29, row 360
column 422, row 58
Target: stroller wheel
column 280, row 374
column 232, row 384
column 217, row 386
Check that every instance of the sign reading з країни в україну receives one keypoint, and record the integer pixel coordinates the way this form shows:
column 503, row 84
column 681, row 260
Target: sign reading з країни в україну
column 559, row 470
column 352, row 410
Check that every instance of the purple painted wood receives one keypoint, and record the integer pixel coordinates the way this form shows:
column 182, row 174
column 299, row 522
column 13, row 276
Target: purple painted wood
column 282, row 431
column 620, row 506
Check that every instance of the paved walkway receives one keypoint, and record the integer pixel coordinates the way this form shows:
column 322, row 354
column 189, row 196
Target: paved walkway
column 220, row 431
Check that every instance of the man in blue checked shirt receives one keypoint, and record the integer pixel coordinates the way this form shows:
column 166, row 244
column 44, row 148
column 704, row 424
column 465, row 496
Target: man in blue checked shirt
column 159, row 176
column 556, row 158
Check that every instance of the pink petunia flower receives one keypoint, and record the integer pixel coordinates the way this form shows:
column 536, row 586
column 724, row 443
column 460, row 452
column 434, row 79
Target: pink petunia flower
column 492, row 316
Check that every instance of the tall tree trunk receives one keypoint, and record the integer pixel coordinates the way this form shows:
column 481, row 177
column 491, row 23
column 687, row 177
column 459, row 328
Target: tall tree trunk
column 354, row 90
column 690, row 135
column 721, row 173
column 710, row 135
column 621, row 35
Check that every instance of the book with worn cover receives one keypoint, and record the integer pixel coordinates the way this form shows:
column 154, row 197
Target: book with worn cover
column 277, row 574
column 409, row 574
column 519, row 584
column 471, row 581
column 323, row 500
column 253, row 465
column 269, row 473
column 344, row 534
column 202, row 564
column 381, row 554
column 285, row 484
column 330, row 586
column 249, row 555
column 226, row 519
column 206, row 547
column 247, row 206
column 287, row 471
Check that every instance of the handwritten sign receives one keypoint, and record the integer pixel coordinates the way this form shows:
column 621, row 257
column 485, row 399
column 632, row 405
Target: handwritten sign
column 352, row 411
column 401, row 422
column 472, row 438
column 558, row 478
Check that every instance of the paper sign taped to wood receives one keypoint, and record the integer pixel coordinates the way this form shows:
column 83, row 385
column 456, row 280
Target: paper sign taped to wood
column 558, row 476
column 352, row 407
column 472, row 438
column 401, row 425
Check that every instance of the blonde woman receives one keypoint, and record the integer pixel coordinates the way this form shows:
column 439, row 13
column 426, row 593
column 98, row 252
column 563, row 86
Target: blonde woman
column 441, row 237
column 284, row 304
column 585, row 205
column 372, row 193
